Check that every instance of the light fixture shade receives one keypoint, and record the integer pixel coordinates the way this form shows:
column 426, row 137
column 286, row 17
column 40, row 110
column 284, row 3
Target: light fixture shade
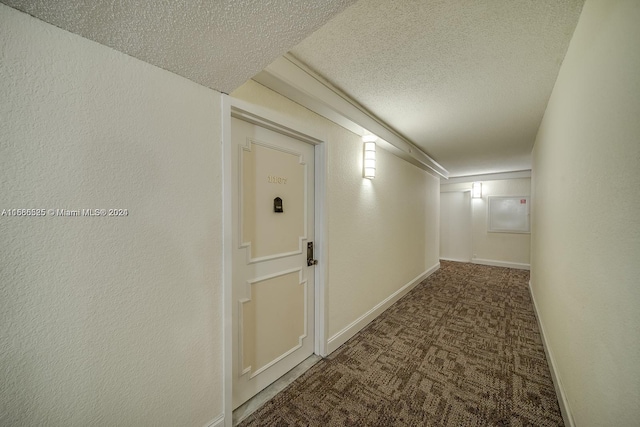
column 369, row 163
column 476, row 190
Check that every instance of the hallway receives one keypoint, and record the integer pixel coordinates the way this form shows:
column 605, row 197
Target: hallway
column 127, row 107
column 463, row 348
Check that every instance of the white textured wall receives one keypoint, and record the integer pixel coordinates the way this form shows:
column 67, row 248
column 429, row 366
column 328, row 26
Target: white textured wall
column 106, row 321
column 506, row 248
column 586, row 217
column 456, row 226
column 382, row 233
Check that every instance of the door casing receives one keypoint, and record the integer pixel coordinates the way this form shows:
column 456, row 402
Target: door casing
column 272, row 120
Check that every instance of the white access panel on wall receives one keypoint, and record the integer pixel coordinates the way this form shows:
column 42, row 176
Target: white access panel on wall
column 508, row 214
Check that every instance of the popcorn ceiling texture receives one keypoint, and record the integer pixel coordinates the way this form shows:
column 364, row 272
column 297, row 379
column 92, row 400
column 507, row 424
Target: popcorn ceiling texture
column 467, row 81
column 219, row 44
column 106, row 321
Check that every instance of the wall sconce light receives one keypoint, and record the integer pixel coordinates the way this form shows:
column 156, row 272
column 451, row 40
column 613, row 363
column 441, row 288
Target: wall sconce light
column 369, row 164
column 476, row 190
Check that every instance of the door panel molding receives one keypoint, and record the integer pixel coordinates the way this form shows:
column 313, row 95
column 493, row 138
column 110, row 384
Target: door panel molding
column 246, row 241
column 244, row 369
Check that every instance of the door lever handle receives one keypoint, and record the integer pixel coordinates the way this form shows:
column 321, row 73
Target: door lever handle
column 310, row 260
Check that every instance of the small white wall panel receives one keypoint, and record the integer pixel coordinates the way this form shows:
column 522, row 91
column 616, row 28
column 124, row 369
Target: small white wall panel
column 508, row 214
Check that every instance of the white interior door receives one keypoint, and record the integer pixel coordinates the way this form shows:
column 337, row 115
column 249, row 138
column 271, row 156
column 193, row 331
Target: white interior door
column 273, row 287
column 456, row 240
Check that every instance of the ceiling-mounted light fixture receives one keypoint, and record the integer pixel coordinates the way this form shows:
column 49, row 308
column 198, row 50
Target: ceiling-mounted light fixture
column 476, row 190
column 369, row 164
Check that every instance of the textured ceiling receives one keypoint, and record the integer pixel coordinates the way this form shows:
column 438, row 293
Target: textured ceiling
column 217, row 43
column 466, row 81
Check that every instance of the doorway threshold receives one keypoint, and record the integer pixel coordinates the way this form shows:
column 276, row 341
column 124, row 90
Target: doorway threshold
column 250, row 406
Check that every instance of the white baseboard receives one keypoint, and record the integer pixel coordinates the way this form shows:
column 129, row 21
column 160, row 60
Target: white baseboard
column 454, row 259
column 356, row 326
column 557, row 384
column 216, row 422
column 495, row 263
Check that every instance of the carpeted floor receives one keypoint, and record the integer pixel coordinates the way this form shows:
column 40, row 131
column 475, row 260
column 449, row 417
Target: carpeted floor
column 461, row 349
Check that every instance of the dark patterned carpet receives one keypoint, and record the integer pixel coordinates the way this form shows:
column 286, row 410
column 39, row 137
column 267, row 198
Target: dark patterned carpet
column 461, row 349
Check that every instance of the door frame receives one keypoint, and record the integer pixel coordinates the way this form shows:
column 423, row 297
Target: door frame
column 470, row 212
column 272, row 120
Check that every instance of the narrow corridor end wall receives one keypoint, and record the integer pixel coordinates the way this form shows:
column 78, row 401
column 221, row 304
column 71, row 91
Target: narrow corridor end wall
column 493, row 248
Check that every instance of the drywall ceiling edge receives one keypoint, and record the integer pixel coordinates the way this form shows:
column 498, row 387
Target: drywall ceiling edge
column 292, row 79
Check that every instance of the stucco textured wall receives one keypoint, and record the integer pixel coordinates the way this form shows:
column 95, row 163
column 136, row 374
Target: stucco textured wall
column 383, row 232
column 106, row 320
column 586, row 217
